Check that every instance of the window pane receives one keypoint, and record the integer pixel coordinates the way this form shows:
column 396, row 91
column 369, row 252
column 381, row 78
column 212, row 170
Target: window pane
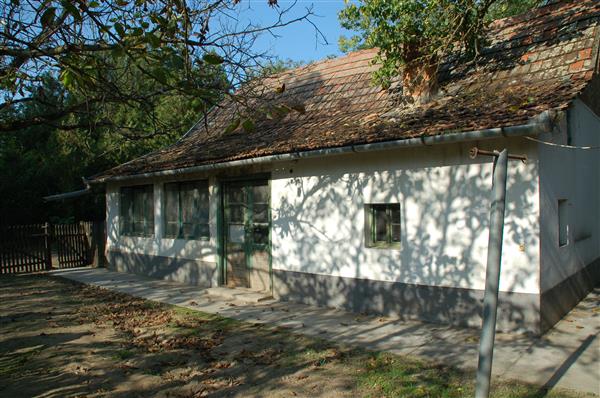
column 260, row 194
column 563, row 225
column 236, row 233
column 172, row 209
column 395, row 211
column 172, row 229
column 196, row 202
column 125, row 210
column 138, row 206
column 260, row 234
column 395, row 232
column 236, row 213
column 195, row 231
column 137, row 210
column 380, row 219
column 260, row 213
column 188, row 230
column 203, row 231
column 186, row 209
column 202, row 208
column 235, row 194
column 148, row 212
column 188, row 196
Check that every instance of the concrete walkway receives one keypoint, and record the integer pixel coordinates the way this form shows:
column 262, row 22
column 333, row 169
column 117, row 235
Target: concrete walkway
column 566, row 357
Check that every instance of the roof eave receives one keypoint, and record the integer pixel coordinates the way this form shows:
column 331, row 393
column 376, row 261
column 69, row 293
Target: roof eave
column 544, row 122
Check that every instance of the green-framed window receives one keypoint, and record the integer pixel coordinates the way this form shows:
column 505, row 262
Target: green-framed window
column 186, row 210
column 382, row 225
column 137, row 210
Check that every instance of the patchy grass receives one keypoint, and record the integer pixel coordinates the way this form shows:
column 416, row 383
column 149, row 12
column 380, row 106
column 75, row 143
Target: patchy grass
column 59, row 338
column 123, row 355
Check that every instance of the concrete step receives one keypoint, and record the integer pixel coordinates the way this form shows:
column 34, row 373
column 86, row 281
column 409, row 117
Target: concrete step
column 242, row 295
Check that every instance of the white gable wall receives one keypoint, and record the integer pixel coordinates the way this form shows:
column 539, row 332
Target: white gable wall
column 318, row 216
column 573, row 175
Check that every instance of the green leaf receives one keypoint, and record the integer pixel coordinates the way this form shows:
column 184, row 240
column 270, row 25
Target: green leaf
column 198, row 105
column 137, row 31
column 213, row 59
column 152, row 39
column 120, row 29
column 232, row 126
column 248, row 125
column 71, row 9
column 122, row 3
column 48, row 16
column 93, row 4
column 160, row 74
column 118, row 52
column 67, row 78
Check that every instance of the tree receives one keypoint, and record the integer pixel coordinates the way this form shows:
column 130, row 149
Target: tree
column 89, row 45
column 415, row 36
column 40, row 160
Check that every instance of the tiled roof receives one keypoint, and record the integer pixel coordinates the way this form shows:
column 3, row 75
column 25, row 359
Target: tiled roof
column 534, row 62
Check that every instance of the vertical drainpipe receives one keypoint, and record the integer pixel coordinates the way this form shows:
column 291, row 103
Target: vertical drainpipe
column 492, row 276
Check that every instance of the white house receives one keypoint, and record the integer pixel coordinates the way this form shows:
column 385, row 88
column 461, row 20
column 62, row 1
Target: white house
column 367, row 202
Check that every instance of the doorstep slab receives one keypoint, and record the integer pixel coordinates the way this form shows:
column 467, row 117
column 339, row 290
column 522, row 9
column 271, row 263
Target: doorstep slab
column 239, row 295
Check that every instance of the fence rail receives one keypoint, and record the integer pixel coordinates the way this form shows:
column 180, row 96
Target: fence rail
column 32, row 248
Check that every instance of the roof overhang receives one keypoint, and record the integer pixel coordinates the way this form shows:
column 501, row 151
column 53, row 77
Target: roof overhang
column 544, row 122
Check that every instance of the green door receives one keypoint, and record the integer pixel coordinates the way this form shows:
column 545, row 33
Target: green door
column 247, row 225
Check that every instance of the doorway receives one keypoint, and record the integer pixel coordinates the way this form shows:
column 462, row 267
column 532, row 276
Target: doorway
column 246, row 234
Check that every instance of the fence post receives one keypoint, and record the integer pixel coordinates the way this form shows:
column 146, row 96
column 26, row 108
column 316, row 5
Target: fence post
column 48, row 244
column 97, row 244
column 102, row 243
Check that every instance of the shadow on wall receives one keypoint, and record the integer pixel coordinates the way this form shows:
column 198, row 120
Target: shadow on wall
column 167, row 259
column 437, row 274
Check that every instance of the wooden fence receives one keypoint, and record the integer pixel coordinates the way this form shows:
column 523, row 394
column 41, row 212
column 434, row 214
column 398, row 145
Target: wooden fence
column 72, row 245
column 40, row 247
column 24, row 248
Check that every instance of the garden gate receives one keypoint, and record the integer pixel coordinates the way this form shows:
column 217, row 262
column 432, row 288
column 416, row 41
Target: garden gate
column 40, row 247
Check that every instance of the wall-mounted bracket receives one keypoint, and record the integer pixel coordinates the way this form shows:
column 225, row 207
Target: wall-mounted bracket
column 474, row 152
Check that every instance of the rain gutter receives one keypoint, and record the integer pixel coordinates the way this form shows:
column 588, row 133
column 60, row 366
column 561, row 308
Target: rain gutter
column 542, row 123
column 67, row 195
column 70, row 195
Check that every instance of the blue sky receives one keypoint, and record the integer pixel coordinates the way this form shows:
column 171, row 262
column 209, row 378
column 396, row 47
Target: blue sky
column 297, row 41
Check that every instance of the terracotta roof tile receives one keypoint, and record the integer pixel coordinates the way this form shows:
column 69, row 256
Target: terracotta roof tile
column 534, row 62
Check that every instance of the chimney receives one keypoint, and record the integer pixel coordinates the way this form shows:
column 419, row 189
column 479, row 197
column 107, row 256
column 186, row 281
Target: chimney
column 419, row 76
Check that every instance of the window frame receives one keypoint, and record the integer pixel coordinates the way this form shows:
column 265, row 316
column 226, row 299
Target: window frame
column 370, row 226
column 127, row 219
column 200, row 184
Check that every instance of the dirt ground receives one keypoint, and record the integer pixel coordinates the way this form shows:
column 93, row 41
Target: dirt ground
column 62, row 339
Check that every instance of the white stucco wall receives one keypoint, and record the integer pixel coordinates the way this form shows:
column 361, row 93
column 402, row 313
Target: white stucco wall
column 318, row 220
column 201, row 250
column 318, row 217
column 573, row 175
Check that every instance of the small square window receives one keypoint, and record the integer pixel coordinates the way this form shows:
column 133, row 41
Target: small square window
column 382, row 225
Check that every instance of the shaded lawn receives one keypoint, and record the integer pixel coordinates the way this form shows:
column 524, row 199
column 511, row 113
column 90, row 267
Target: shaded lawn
column 59, row 338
